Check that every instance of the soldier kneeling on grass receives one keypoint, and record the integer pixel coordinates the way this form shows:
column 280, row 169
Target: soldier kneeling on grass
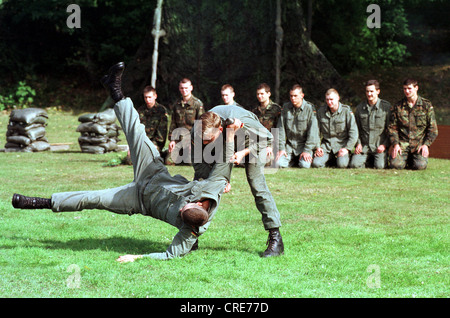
column 412, row 129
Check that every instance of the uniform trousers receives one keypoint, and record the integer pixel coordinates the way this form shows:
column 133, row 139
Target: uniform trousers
column 289, row 161
column 321, row 162
column 414, row 159
column 264, row 200
column 360, row 160
column 123, row 199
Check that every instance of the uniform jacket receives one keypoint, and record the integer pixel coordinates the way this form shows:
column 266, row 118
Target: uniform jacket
column 413, row 127
column 298, row 128
column 268, row 116
column 253, row 136
column 185, row 114
column 155, row 120
column 373, row 124
column 164, row 195
column 338, row 130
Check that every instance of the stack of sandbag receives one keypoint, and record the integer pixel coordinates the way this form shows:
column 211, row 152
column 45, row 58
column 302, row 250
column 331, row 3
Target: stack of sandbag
column 99, row 132
column 26, row 130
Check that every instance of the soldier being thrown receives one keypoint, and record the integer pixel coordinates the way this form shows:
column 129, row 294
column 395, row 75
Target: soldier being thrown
column 153, row 192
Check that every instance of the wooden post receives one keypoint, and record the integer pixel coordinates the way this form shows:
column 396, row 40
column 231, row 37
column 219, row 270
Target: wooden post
column 157, row 33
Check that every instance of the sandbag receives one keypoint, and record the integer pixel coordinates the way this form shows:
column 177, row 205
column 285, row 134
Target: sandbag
column 20, row 128
column 38, row 146
column 99, row 132
column 106, row 117
column 92, row 127
column 35, row 133
column 93, row 140
column 29, row 115
column 26, row 130
column 111, row 145
column 103, row 118
column 19, row 140
column 92, row 149
column 14, row 146
column 86, row 118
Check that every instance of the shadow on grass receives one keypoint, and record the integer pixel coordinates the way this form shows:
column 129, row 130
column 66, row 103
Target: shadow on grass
column 123, row 245
column 116, row 244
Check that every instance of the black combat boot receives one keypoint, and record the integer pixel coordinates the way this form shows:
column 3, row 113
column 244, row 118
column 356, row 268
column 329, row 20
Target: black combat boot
column 22, row 202
column 113, row 81
column 275, row 244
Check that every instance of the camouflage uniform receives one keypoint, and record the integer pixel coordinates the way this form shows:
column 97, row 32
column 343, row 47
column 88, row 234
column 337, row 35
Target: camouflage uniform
column 372, row 124
column 183, row 116
column 268, row 116
column 155, row 120
column 412, row 127
column 299, row 132
column 338, row 130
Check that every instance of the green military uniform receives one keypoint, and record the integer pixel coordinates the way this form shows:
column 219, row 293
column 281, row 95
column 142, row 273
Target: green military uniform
column 155, row 120
column 183, row 116
column 256, row 138
column 298, row 132
column 338, row 130
column 372, row 124
column 269, row 115
column 412, row 127
column 153, row 192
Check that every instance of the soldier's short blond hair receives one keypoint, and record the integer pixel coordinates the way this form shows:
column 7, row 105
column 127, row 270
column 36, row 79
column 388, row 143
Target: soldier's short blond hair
column 330, row 91
column 224, row 87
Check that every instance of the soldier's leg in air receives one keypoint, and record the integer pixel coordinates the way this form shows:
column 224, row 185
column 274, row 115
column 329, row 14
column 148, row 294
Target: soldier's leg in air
column 142, row 150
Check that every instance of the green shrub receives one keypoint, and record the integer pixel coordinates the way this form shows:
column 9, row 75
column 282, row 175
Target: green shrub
column 23, row 97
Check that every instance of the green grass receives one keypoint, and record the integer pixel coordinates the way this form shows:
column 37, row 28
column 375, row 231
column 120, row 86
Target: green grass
column 337, row 225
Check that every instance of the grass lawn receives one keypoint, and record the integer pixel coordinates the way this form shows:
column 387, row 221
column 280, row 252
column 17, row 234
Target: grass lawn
column 347, row 234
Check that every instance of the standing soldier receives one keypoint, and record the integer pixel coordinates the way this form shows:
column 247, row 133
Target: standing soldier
column 412, row 129
column 298, row 131
column 372, row 118
column 339, row 132
column 154, row 116
column 184, row 113
column 250, row 148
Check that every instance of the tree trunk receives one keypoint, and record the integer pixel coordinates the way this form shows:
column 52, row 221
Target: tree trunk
column 310, row 15
column 307, row 65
